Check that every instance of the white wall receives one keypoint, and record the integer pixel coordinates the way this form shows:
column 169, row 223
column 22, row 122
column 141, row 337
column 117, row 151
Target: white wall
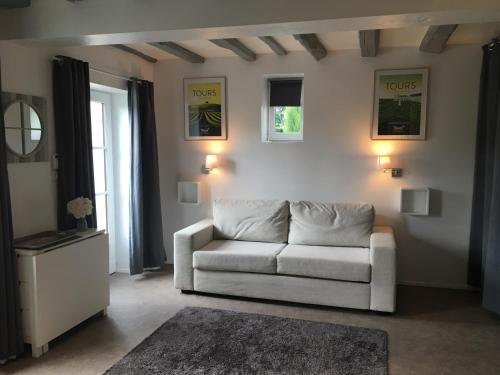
column 336, row 161
column 28, row 70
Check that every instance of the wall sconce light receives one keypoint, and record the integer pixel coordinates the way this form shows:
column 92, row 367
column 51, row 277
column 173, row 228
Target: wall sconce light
column 210, row 164
column 384, row 163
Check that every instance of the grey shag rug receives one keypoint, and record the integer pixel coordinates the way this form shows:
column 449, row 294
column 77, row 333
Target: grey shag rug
column 207, row 341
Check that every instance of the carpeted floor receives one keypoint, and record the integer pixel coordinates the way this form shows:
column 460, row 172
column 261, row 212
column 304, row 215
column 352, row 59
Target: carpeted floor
column 208, row 341
column 434, row 331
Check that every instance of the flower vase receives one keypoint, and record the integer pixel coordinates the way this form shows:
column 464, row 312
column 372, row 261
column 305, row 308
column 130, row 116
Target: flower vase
column 81, row 225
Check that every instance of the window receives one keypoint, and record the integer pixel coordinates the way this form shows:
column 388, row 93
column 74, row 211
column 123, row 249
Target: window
column 100, row 118
column 284, row 109
column 36, row 126
column 111, row 153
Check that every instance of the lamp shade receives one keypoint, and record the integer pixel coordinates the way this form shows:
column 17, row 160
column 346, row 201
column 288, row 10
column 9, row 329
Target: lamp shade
column 383, row 162
column 211, row 161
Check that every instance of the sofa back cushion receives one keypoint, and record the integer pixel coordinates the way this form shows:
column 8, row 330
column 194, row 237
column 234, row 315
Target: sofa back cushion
column 330, row 224
column 251, row 220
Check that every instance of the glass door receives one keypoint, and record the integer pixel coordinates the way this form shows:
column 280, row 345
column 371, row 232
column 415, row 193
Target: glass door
column 100, row 111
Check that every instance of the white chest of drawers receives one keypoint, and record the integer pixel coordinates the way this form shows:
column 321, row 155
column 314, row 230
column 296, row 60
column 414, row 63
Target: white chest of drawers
column 61, row 287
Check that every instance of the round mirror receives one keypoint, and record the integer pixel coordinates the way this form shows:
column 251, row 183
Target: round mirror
column 23, row 128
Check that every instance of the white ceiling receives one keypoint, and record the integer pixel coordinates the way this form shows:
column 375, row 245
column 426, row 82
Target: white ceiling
column 402, row 37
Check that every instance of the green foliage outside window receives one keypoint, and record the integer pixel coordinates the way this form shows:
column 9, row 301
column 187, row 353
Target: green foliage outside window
column 287, row 119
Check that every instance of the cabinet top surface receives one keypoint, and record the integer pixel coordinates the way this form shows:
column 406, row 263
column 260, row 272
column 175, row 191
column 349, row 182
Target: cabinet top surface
column 80, row 236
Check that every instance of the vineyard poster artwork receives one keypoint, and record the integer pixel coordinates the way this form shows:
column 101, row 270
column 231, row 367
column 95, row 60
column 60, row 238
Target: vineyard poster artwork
column 400, row 104
column 205, row 108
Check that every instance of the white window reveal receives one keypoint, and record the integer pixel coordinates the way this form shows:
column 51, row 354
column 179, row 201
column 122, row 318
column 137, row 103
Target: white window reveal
column 101, row 120
column 111, row 153
column 101, row 124
column 283, row 109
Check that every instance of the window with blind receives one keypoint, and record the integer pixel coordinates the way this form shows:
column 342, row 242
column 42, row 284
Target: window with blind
column 284, row 109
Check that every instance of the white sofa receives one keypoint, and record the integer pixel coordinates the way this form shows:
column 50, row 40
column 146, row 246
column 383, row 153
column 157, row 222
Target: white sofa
column 307, row 252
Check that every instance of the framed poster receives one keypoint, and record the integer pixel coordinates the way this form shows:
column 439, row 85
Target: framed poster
column 400, row 104
column 205, row 108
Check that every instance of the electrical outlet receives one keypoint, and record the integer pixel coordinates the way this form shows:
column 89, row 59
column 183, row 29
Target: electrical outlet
column 397, row 172
column 55, row 161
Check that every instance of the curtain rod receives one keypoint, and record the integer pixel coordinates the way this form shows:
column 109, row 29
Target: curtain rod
column 103, row 71
column 109, row 73
column 494, row 41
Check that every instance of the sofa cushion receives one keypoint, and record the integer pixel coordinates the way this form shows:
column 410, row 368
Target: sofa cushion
column 330, row 224
column 326, row 262
column 238, row 256
column 251, row 220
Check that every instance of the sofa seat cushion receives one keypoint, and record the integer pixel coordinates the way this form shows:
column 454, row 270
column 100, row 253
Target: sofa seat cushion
column 237, row 256
column 326, row 262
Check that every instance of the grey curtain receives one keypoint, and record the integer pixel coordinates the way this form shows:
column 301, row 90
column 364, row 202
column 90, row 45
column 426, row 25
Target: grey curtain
column 484, row 253
column 146, row 229
column 11, row 337
column 75, row 178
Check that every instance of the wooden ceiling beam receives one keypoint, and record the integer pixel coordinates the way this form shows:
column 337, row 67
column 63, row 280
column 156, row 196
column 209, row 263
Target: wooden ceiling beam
column 369, row 42
column 274, row 45
column 312, row 44
column 237, row 47
column 15, row 3
column 179, row 51
column 436, row 37
column 135, row 52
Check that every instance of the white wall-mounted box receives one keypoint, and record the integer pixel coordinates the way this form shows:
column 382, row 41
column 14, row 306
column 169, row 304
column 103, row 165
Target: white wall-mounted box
column 415, row 201
column 188, row 192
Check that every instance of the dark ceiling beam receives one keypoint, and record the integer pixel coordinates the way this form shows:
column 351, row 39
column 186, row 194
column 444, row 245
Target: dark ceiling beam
column 15, row 3
column 436, row 37
column 312, row 44
column 237, row 47
column 368, row 42
column 135, row 52
column 179, row 51
column 274, row 45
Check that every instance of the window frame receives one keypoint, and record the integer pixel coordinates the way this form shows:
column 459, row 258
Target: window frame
column 105, row 99
column 268, row 112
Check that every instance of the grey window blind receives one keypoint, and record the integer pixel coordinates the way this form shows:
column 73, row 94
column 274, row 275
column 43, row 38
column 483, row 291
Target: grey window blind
column 285, row 92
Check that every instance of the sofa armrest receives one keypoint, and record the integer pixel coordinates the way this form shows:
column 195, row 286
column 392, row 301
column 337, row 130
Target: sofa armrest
column 186, row 241
column 383, row 264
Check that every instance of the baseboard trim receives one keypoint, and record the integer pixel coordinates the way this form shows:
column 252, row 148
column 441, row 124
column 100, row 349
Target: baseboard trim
column 439, row 285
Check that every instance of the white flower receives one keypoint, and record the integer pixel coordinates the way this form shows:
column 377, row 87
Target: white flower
column 80, row 207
